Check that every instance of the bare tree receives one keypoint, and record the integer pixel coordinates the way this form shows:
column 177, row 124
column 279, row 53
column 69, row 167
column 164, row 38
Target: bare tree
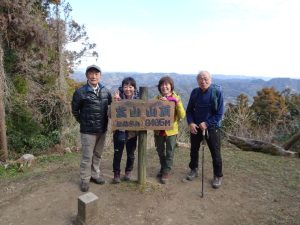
column 35, row 35
column 3, row 140
column 18, row 30
column 249, row 128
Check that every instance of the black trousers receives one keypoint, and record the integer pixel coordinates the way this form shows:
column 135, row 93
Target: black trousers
column 118, row 152
column 213, row 140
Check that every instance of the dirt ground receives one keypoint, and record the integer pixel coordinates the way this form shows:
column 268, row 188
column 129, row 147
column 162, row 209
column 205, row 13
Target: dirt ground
column 257, row 189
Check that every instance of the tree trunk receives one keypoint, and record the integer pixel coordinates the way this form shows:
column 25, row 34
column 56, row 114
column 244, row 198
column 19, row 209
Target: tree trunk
column 247, row 144
column 61, row 81
column 3, row 139
column 293, row 140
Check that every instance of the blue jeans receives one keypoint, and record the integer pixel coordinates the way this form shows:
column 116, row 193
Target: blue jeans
column 214, row 144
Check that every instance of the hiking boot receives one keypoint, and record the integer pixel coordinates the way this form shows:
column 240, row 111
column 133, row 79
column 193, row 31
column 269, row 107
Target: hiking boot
column 217, row 181
column 159, row 174
column 116, row 179
column 98, row 180
column 84, row 186
column 127, row 176
column 164, row 178
column 192, row 174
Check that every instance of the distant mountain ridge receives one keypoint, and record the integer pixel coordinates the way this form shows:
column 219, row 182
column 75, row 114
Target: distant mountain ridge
column 232, row 85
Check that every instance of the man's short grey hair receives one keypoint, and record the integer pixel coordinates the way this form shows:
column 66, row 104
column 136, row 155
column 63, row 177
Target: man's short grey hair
column 202, row 72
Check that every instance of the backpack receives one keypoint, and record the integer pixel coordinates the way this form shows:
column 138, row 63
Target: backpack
column 214, row 97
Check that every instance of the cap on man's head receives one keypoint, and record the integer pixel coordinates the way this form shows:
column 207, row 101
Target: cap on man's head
column 92, row 67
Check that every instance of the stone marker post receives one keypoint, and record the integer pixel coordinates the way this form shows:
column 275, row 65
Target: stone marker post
column 87, row 209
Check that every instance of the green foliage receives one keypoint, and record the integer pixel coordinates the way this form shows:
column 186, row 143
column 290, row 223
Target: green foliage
column 35, row 144
column 52, row 54
column 19, row 118
column 48, row 80
column 10, row 59
column 20, row 84
column 69, row 158
column 273, row 116
column 9, row 172
column 294, row 105
column 16, row 141
column 40, row 142
column 269, row 106
column 25, row 135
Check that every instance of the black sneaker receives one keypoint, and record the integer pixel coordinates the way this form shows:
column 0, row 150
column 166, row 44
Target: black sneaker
column 98, row 180
column 192, row 174
column 84, row 187
column 217, row 182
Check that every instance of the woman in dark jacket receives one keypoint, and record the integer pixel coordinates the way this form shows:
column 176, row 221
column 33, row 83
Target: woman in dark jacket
column 123, row 138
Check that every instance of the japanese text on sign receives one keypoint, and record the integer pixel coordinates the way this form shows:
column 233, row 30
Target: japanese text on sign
column 142, row 115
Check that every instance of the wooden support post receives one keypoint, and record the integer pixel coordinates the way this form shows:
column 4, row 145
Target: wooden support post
column 142, row 144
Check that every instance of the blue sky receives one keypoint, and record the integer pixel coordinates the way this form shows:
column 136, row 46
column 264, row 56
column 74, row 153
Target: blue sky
column 234, row 37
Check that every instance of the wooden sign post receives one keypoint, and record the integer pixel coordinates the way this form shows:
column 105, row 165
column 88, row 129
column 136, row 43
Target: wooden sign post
column 142, row 115
column 142, row 145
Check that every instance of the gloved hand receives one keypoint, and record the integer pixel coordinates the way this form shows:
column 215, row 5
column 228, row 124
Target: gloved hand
column 173, row 99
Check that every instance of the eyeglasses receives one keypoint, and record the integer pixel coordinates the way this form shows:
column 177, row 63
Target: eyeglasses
column 206, row 79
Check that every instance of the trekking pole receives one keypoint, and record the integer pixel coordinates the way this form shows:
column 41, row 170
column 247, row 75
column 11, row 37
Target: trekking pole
column 202, row 170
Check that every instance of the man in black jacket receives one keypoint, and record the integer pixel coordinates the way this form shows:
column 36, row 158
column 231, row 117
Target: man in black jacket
column 89, row 107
